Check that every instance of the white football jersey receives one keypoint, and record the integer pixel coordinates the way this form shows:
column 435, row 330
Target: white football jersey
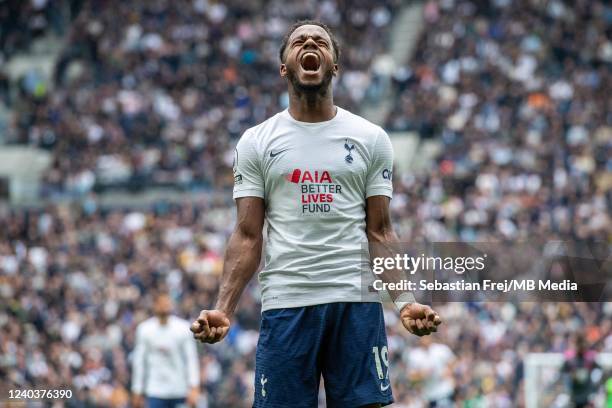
column 165, row 359
column 314, row 179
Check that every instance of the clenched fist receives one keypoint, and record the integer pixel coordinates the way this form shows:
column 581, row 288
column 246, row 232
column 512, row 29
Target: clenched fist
column 211, row 326
column 419, row 319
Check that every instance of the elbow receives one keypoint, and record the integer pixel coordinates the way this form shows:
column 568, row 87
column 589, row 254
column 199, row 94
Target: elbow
column 249, row 238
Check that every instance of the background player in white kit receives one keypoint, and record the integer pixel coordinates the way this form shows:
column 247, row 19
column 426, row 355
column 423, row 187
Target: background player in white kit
column 165, row 363
column 322, row 178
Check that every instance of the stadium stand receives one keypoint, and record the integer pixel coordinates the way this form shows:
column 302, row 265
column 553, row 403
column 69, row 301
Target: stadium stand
column 156, row 93
column 523, row 112
column 516, row 92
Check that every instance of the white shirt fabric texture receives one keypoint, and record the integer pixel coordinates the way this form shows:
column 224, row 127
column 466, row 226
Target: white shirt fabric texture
column 314, row 178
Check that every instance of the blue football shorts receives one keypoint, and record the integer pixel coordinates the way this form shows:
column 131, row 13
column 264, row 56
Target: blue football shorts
column 344, row 342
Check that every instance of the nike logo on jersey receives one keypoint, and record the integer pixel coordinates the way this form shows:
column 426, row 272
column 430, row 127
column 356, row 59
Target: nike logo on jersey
column 272, row 154
column 385, row 387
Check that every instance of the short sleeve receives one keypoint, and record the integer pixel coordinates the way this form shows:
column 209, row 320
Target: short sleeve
column 380, row 170
column 248, row 177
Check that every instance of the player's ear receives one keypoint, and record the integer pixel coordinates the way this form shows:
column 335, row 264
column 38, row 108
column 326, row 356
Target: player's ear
column 336, row 69
column 283, row 70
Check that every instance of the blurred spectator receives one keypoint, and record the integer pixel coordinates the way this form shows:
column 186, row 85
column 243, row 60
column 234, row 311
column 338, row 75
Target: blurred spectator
column 22, row 21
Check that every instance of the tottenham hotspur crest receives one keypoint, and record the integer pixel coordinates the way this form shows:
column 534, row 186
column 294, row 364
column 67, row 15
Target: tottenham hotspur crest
column 349, row 147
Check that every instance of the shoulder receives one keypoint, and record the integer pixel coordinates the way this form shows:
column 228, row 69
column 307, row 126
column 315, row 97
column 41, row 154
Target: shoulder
column 371, row 136
column 264, row 129
column 370, row 130
column 442, row 349
column 146, row 325
column 180, row 328
column 254, row 139
column 180, row 323
column 417, row 353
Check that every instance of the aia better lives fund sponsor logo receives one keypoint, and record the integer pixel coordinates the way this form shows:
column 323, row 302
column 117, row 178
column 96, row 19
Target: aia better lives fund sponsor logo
column 317, row 190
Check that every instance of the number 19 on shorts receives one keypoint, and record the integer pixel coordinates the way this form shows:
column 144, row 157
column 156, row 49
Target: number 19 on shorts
column 381, row 355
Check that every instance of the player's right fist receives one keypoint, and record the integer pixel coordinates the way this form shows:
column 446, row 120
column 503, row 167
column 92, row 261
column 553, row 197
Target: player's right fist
column 420, row 320
column 211, row 326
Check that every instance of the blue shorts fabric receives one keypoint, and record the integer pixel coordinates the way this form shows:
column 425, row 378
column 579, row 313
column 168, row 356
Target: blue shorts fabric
column 346, row 343
column 153, row 402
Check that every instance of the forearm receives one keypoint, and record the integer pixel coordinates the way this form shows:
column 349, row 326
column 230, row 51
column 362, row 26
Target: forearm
column 383, row 243
column 241, row 261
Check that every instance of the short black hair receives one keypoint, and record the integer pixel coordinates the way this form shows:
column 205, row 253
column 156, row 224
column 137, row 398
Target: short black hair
column 300, row 23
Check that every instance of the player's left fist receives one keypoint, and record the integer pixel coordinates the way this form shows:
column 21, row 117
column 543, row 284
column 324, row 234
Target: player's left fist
column 211, row 326
column 420, row 320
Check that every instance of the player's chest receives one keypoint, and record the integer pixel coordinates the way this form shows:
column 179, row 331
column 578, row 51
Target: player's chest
column 333, row 159
column 163, row 344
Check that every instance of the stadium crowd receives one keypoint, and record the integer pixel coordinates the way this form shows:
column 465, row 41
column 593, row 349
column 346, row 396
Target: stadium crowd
column 156, row 93
column 75, row 281
column 22, row 22
column 511, row 89
column 519, row 95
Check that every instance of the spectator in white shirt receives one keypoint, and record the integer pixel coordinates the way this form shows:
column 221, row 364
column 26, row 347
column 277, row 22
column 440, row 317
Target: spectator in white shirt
column 432, row 363
column 165, row 361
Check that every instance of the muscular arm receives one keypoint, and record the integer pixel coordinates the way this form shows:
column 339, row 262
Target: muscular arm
column 243, row 253
column 378, row 220
column 241, row 260
column 418, row 319
column 381, row 237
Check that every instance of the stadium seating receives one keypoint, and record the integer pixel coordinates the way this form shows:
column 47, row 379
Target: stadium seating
column 156, row 93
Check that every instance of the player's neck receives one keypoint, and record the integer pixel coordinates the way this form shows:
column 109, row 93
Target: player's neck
column 315, row 107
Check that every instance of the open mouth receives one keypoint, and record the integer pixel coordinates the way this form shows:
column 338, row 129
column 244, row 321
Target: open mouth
column 310, row 62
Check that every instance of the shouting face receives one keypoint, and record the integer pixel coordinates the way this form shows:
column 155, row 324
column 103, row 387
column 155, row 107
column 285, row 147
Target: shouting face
column 309, row 61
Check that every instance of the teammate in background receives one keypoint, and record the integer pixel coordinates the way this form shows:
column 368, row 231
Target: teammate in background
column 431, row 363
column 165, row 364
column 322, row 178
